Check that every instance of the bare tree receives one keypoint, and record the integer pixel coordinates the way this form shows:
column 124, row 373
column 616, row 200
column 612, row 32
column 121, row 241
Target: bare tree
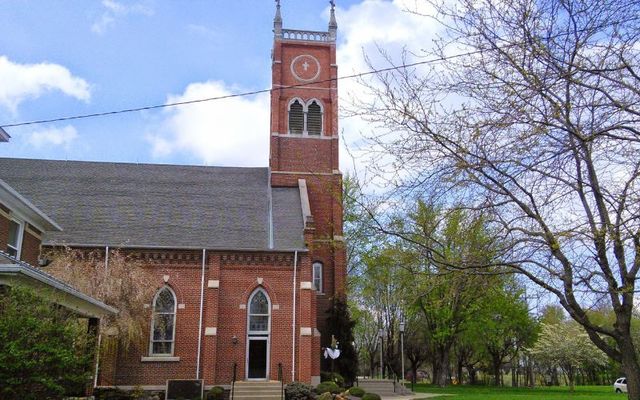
column 532, row 117
column 123, row 283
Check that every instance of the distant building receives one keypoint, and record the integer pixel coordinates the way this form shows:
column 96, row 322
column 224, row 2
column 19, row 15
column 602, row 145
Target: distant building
column 246, row 260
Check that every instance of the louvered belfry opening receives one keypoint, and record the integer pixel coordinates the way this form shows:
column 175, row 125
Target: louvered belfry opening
column 314, row 119
column 296, row 118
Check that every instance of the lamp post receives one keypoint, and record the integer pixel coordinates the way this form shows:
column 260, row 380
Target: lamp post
column 381, row 334
column 402, row 352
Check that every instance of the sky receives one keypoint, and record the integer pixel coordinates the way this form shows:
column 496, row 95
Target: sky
column 64, row 58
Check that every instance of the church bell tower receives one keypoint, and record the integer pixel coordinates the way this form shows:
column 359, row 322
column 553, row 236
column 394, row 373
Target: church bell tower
column 304, row 146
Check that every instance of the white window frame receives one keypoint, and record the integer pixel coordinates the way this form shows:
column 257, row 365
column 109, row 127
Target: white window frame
column 258, row 335
column 153, row 322
column 317, row 271
column 19, row 236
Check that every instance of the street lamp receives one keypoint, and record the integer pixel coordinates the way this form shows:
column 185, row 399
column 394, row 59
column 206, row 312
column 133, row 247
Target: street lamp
column 381, row 334
column 402, row 352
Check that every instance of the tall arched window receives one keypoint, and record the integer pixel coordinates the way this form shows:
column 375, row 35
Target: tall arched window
column 317, row 276
column 314, row 118
column 258, row 335
column 296, row 117
column 259, row 313
column 163, row 324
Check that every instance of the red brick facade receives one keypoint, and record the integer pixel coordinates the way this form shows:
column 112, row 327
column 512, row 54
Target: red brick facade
column 230, row 277
column 31, row 237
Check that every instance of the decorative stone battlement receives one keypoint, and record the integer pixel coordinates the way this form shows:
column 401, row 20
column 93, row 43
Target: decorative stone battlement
column 312, row 36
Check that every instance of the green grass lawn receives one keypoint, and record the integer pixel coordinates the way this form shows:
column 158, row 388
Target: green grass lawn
column 507, row 393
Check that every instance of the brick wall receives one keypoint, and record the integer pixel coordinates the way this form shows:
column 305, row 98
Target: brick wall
column 225, row 308
column 31, row 241
column 4, row 228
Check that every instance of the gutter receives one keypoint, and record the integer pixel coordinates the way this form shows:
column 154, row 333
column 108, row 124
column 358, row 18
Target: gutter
column 151, row 247
column 50, row 281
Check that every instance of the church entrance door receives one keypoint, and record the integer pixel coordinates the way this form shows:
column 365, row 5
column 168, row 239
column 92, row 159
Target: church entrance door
column 257, row 368
column 258, row 335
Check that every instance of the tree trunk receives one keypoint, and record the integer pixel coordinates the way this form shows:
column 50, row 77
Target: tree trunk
column 631, row 368
column 496, row 363
column 473, row 377
column 414, row 373
column 459, row 372
column 443, row 361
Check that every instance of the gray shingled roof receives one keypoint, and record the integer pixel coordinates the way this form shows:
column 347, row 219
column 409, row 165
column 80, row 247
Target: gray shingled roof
column 147, row 205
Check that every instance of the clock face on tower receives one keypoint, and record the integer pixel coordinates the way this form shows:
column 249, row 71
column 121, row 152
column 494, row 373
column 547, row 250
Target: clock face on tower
column 305, row 68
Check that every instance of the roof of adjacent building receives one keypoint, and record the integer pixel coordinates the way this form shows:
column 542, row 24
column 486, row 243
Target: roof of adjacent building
column 159, row 206
column 26, row 273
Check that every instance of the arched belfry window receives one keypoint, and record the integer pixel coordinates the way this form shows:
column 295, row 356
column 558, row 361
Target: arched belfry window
column 314, row 118
column 163, row 324
column 259, row 313
column 305, row 118
column 296, row 117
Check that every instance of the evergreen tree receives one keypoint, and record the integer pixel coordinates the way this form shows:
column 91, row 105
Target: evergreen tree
column 340, row 325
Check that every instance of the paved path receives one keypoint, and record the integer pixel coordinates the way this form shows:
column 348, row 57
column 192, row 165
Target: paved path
column 414, row 396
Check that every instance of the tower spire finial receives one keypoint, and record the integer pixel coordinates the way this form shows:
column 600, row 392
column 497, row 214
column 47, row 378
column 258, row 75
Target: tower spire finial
column 277, row 21
column 333, row 24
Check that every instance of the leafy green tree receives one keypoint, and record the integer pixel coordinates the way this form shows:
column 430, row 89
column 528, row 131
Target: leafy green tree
column 442, row 291
column 43, row 349
column 505, row 325
column 567, row 345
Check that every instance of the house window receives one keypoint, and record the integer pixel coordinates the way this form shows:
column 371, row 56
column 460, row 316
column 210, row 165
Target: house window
column 317, row 276
column 163, row 323
column 15, row 238
column 305, row 118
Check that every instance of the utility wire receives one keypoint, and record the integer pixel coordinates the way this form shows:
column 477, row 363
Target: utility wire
column 243, row 94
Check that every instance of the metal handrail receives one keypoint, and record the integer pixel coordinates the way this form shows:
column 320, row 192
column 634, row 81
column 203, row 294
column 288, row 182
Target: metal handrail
column 233, row 380
column 281, row 379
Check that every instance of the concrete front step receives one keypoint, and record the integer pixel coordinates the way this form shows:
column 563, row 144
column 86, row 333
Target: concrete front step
column 258, row 390
column 381, row 387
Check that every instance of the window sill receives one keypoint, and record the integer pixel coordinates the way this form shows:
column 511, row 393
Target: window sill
column 159, row 359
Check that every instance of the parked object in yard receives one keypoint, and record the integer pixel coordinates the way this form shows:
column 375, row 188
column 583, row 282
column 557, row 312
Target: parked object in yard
column 620, row 385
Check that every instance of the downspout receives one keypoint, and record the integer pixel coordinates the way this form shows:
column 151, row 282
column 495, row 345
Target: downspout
column 293, row 324
column 95, row 375
column 204, row 253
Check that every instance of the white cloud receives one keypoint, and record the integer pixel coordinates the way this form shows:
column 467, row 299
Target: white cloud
column 114, row 10
column 230, row 132
column 365, row 29
column 53, row 137
column 19, row 82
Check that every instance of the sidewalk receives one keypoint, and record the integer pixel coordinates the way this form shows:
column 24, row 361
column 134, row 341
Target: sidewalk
column 414, row 396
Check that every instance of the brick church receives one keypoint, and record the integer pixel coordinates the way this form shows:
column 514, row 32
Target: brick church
column 246, row 260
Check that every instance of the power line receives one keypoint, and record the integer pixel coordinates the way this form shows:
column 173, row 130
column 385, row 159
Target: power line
column 251, row 93
column 233, row 95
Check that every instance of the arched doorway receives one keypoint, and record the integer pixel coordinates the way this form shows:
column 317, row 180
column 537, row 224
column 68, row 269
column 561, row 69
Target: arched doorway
column 258, row 335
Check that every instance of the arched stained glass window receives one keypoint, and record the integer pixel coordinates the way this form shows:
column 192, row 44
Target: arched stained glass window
column 259, row 312
column 163, row 322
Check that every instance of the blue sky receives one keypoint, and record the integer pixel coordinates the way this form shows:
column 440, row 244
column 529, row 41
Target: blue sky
column 84, row 56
